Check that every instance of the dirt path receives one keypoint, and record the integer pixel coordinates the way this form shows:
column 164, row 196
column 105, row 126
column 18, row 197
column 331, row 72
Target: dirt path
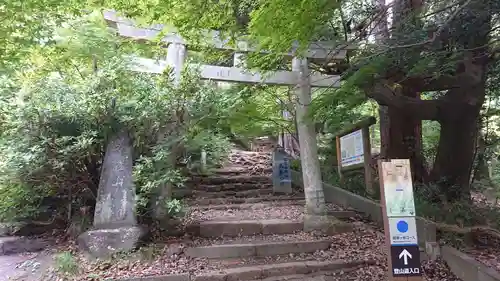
column 8, row 267
column 24, row 267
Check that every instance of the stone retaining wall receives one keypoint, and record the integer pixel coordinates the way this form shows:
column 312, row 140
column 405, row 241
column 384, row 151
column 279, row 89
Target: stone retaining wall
column 372, row 209
column 462, row 265
column 466, row 267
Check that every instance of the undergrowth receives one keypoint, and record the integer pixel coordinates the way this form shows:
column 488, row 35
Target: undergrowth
column 66, row 264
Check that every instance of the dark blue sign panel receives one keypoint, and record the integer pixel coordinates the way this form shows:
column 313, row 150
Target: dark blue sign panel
column 405, row 260
column 282, row 175
column 284, row 170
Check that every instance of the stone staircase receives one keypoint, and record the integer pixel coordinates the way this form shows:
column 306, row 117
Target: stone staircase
column 247, row 232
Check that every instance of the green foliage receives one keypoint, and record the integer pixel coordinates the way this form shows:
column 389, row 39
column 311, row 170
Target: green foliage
column 430, row 138
column 56, row 120
column 295, row 165
column 216, row 145
column 277, row 24
column 66, row 264
column 19, row 202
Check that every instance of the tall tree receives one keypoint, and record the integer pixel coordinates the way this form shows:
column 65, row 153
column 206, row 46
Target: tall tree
column 401, row 133
column 457, row 54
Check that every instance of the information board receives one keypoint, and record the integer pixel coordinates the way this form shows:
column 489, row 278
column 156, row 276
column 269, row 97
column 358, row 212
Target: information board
column 399, row 220
column 398, row 188
column 351, row 148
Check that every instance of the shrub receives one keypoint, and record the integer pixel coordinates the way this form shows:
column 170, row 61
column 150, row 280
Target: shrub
column 54, row 135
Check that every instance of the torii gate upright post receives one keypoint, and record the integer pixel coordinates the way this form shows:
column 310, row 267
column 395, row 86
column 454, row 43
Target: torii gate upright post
column 176, row 56
column 311, row 172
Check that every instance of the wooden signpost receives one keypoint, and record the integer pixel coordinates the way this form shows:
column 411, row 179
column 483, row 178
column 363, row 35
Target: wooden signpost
column 398, row 209
column 354, row 150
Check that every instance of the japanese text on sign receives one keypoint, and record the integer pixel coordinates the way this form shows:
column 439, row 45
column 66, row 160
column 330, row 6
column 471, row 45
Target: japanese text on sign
column 403, row 231
column 406, row 271
column 398, row 189
column 284, row 170
column 351, row 148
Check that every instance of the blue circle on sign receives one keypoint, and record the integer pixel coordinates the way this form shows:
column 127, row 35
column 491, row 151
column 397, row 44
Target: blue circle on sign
column 402, row 226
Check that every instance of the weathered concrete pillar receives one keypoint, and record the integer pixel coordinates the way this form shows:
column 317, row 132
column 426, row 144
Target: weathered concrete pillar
column 287, row 139
column 315, row 199
column 282, row 177
column 203, row 161
column 115, row 224
column 238, row 60
column 176, row 57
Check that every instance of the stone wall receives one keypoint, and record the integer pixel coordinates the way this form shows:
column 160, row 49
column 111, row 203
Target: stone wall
column 462, row 265
column 372, row 209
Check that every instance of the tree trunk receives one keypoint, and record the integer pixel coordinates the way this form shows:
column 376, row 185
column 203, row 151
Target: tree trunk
column 454, row 158
column 481, row 171
column 400, row 137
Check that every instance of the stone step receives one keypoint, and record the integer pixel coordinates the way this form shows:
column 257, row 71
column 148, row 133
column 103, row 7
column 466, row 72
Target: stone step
column 317, row 276
column 243, row 227
column 231, row 187
column 17, row 245
column 282, row 271
column 259, row 272
column 226, row 201
column 249, row 206
column 232, row 179
column 289, row 210
column 257, row 249
column 239, row 170
column 223, row 194
column 346, row 274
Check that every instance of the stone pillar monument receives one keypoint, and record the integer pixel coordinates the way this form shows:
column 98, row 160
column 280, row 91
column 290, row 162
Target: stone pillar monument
column 115, row 225
column 282, row 178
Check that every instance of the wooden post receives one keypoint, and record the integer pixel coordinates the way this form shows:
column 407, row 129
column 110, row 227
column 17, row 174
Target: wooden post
column 339, row 157
column 203, row 161
column 367, row 160
column 398, row 211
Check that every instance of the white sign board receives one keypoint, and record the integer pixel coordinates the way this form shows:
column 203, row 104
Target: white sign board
column 398, row 188
column 351, row 148
column 403, row 231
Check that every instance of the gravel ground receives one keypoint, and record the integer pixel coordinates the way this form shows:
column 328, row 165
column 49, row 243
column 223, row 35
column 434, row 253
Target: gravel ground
column 488, row 256
column 299, row 236
column 372, row 273
column 262, row 211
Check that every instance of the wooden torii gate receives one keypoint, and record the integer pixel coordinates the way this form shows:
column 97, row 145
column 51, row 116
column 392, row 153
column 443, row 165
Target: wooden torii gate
column 300, row 78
